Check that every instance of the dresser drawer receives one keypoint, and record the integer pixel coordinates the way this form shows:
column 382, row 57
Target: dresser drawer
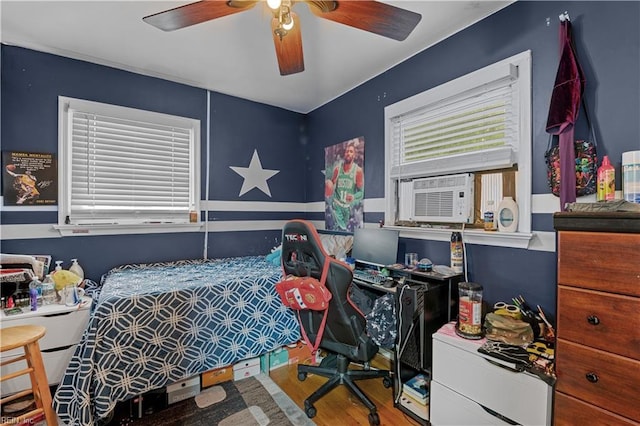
column 63, row 329
column 520, row 397
column 585, row 261
column 451, row 408
column 55, row 364
column 600, row 320
column 599, row 378
column 569, row 411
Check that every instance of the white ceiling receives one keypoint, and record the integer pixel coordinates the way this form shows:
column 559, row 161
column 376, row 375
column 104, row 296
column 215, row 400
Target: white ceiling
column 234, row 54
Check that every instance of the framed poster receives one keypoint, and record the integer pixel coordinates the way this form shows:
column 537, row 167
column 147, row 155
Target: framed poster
column 29, row 178
column 344, row 185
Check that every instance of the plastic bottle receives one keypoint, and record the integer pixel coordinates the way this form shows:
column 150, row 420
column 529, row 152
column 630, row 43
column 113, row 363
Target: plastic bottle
column 606, row 180
column 456, row 252
column 48, row 291
column 33, row 294
column 76, row 268
column 631, row 176
column 508, row 215
column 489, row 217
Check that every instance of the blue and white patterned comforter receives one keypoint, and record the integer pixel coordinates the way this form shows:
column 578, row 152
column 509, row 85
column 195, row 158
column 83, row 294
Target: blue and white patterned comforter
column 157, row 324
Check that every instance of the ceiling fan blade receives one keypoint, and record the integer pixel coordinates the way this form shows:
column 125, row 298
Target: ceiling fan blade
column 195, row 13
column 289, row 47
column 372, row 16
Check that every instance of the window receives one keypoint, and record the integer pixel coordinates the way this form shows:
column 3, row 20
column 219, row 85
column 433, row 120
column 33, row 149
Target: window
column 475, row 129
column 123, row 166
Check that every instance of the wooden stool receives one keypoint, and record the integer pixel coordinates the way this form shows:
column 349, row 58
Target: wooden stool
column 27, row 336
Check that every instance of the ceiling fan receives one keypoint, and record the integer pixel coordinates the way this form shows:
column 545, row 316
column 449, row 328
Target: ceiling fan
column 372, row 16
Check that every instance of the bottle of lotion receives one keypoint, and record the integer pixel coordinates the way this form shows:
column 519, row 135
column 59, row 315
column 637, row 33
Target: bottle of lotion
column 508, row 215
column 606, row 180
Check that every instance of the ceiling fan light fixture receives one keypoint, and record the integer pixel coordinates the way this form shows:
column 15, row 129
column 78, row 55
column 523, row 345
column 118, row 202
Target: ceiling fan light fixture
column 274, row 4
column 368, row 15
column 287, row 20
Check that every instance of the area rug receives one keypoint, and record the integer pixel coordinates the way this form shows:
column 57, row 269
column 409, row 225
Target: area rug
column 254, row 401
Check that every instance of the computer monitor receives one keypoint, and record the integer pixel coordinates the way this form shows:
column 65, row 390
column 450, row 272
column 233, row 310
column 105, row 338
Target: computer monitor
column 375, row 246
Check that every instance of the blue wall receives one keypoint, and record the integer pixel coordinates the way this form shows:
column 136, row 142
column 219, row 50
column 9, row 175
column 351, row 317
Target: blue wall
column 607, row 36
column 31, row 84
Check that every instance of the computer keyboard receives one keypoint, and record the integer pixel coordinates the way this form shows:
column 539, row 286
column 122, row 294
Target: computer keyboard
column 369, row 277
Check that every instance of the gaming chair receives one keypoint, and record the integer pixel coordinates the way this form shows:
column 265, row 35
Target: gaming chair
column 344, row 333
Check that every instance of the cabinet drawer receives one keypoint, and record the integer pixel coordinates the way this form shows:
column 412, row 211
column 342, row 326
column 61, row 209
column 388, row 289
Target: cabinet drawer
column 55, row 364
column 614, row 383
column 600, row 320
column 451, row 408
column 569, row 411
column 520, row 397
column 63, row 329
column 584, row 261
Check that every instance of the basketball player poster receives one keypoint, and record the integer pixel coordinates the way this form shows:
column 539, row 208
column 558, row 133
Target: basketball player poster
column 344, row 185
column 29, row 178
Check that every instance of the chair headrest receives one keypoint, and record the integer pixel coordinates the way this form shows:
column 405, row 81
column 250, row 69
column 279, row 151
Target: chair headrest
column 302, row 250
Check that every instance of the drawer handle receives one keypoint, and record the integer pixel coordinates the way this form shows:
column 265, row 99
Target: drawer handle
column 58, row 349
column 498, row 415
column 592, row 377
column 517, row 368
column 57, row 315
column 593, row 320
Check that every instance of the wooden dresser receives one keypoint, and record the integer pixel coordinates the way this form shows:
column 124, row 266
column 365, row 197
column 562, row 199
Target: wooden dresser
column 598, row 319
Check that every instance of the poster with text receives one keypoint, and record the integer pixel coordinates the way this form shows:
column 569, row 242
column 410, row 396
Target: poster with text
column 344, row 185
column 29, row 179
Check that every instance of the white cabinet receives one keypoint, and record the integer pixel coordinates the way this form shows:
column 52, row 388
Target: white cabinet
column 65, row 326
column 468, row 389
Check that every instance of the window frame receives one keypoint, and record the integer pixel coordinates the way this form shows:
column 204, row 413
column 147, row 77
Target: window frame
column 522, row 151
column 136, row 222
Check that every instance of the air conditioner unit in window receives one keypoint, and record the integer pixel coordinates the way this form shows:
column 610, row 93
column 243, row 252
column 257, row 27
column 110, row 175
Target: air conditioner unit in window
column 443, row 199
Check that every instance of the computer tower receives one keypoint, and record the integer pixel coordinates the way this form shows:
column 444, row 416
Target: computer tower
column 422, row 308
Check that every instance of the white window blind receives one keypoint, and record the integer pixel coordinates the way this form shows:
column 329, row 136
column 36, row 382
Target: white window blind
column 482, row 122
column 128, row 169
column 478, row 122
column 479, row 125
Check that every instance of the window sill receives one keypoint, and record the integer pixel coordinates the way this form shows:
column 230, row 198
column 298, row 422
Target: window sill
column 119, row 229
column 519, row 240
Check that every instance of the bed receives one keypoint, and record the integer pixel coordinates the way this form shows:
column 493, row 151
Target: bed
column 156, row 324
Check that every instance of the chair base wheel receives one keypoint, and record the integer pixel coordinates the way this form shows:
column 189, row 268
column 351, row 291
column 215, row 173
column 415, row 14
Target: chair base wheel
column 309, row 410
column 374, row 419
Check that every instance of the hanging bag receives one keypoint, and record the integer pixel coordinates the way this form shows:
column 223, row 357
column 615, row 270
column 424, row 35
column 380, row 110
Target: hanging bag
column 586, row 161
column 307, row 293
column 563, row 111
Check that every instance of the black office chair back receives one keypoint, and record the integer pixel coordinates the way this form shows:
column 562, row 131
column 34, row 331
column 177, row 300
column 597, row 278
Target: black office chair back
column 345, row 328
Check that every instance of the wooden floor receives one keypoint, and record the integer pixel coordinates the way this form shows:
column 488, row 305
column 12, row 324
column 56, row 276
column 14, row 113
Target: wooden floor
column 341, row 407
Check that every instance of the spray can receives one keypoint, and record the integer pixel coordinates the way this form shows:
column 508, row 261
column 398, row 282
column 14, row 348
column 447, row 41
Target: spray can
column 606, row 180
column 456, row 252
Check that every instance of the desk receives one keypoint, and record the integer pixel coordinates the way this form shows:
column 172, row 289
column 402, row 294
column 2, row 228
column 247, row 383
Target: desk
column 425, row 301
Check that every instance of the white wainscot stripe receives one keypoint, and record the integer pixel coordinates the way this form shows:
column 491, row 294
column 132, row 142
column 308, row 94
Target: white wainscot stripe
column 253, row 206
column 245, row 225
column 28, row 231
column 541, row 203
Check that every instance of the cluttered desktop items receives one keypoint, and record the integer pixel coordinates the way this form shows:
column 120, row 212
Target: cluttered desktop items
column 373, row 250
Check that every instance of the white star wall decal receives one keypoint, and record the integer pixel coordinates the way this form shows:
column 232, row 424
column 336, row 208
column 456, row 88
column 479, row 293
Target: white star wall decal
column 254, row 176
